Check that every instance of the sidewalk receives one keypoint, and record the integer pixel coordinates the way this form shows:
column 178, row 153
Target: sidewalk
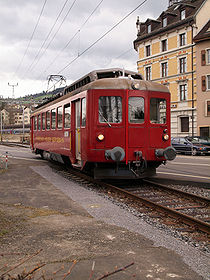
column 35, row 215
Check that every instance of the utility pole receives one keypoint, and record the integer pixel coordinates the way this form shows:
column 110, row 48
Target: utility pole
column 13, row 89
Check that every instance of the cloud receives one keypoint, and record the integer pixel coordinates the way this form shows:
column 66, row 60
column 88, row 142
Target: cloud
column 18, row 19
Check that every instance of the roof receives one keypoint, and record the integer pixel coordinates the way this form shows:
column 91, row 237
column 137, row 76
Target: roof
column 204, row 34
column 173, row 19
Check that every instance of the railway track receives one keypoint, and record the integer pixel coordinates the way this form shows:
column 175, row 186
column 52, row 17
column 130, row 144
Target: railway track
column 186, row 213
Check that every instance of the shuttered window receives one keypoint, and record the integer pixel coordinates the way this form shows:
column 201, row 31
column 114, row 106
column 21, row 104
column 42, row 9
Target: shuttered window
column 203, row 83
column 185, row 124
column 203, row 57
column 208, row 108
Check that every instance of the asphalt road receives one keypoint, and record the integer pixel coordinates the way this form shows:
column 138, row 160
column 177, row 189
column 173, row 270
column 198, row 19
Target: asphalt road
column 186, row 168
column 183, row 168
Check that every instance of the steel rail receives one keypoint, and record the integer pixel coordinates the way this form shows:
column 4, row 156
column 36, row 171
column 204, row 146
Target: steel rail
column 186, row 194
column 189, row 220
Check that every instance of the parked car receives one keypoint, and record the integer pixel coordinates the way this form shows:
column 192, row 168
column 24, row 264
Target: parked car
column 199, row 139
column 183, row 145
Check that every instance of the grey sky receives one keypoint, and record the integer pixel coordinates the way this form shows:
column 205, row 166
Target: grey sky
column 18, row 19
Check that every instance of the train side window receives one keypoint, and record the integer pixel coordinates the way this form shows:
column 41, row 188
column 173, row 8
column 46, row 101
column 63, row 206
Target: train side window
column 39, row 122
column 158, row 110
column 67, row 115
column 53, row 117
column 48, row 119
column 43, row 121
column 136, row 109
column 35, row 123
column 83, row 112
column 60, row 117
column 110, row 109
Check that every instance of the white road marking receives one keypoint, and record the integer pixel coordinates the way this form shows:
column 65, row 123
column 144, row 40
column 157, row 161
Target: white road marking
column 186, row 163
column 184, row 175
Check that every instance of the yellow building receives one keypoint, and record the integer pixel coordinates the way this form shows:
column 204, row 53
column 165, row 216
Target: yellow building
column 167, row 55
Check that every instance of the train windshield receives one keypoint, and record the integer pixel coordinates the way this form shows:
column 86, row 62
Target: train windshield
column 158, row 110
column 136, row 109
column 110, row 109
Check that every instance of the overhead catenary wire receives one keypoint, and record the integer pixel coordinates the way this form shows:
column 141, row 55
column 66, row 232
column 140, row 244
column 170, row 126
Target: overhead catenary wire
column 100, row 38
column 48, row 35
column 31, row 38
column 58, row 29
column 68, row 43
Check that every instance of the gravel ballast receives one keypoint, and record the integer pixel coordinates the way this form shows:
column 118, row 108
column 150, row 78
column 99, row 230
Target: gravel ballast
column 104, row 209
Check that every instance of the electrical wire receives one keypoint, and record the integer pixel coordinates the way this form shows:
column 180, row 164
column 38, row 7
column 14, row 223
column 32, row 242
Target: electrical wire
column 48, row 35
column 32, row 35
column 54, row 34
column 100, row 38
column 68, row 43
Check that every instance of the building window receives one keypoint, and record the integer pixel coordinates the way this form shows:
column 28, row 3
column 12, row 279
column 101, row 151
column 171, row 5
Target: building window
column 184, row 124
column 205, row 131
column 164, row 22
column 208, row 56
column 183, row 14
column 183, row 92
column 164, row 68
column 182, row 39
column 148, row 50
column 149, row 28
column 182, row 64
column 164, row 45
column 208, row 108
column 148, row 73
column 208, row 82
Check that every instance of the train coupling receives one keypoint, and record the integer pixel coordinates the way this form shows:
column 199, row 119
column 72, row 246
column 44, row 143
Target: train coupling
column 168, row 153
column 117, row 154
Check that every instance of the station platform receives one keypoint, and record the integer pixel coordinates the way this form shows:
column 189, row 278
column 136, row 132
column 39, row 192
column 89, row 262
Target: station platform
column 68, row 231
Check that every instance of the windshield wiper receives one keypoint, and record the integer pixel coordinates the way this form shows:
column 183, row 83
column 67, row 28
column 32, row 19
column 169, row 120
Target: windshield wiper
column 105, row 119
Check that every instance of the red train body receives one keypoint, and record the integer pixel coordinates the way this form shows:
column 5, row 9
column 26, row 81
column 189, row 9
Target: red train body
column 110, row 123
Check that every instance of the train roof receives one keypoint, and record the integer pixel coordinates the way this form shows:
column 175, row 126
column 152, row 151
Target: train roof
column 115, row 78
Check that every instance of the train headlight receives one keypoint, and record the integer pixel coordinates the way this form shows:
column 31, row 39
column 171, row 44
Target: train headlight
column 100, row 137
column 135, row 85
column 165, row 137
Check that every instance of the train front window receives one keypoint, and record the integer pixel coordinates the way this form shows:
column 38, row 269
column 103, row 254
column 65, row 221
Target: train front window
column 158, row 110
column 136, row 109
column 110, row 109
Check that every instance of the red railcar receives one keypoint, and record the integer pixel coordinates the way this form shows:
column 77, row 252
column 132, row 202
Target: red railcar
column 111, row 123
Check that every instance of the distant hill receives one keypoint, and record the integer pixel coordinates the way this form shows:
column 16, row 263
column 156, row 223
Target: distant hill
column 39, row 97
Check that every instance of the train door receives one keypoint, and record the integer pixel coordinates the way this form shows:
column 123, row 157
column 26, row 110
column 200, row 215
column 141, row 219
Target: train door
column 77, row 130
column 137, row 134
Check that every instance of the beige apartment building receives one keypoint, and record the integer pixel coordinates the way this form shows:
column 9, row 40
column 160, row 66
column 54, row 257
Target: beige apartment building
column 202, row 40
column 167, row 55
